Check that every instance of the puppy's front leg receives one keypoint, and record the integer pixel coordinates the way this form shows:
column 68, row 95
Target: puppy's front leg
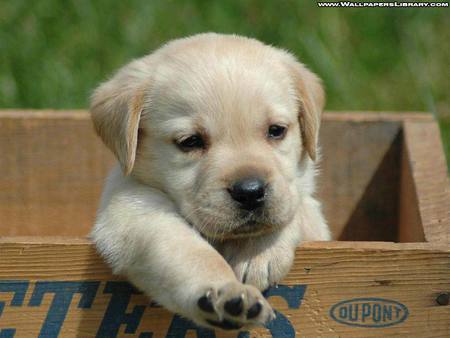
column 141, row 235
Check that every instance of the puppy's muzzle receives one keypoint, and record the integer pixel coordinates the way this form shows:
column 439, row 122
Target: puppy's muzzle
column 249, row 192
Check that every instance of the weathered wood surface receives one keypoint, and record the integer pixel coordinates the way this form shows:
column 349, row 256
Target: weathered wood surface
column 359, row 175
column 410, row 222
column 324, row 274
column 53, row 167
column 428, row 170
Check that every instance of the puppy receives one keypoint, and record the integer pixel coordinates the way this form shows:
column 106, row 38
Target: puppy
column 216, row 139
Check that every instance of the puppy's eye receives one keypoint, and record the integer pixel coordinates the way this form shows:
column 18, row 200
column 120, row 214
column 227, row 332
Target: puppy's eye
column 276, row 132
column 190, row 143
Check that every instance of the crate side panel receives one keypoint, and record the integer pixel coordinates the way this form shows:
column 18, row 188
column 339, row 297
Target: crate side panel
column 410, row 222
column 323, row 276
column 426, row 161
column 358, row 179
column 52, row 173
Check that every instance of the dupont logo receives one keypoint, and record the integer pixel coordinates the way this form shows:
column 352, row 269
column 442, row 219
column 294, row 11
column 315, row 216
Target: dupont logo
column 369, row 312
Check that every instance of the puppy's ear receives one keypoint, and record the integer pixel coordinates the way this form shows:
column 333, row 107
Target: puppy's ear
column 116, row 108
column 311, row 97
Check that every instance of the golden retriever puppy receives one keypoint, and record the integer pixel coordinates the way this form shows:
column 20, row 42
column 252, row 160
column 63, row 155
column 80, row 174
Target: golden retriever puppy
column 216, row 137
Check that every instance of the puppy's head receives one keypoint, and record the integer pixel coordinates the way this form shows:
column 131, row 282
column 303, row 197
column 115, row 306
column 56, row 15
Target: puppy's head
column 226, row 126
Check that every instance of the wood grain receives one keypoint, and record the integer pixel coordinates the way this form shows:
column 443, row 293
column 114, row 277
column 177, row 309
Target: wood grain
column 429, row 178
column 376, row 116
column 412, row 274
column 359, row 178
column 410, row 222
column 53, row 167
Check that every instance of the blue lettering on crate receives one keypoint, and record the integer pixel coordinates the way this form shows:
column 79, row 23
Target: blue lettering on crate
column 281, row 327
column 63, row 294
column 369, row 312
column 116, row 314
column 179, row 327
column 7, row 333
column 19, row 289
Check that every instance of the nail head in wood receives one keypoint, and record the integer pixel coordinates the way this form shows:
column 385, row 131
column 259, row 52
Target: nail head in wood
column 443, row 298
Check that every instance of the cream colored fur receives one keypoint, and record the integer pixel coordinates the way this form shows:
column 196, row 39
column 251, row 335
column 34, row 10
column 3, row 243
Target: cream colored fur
column 166, row 220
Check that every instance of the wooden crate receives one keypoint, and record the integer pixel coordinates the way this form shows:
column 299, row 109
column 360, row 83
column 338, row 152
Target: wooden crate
column 386, row 195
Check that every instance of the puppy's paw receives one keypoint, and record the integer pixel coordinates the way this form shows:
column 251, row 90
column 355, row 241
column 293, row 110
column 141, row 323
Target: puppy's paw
column 233, row 307
column 264, row 269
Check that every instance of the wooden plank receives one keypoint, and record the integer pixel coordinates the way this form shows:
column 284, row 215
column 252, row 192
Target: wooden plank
column 359, row 178
column 53, row 167
column 324, row 274
column 427, row 165
column 341, row 131
column 50, row 153
column 75, row 114
column 376, row 116
column 355, row 116
column 410, row 222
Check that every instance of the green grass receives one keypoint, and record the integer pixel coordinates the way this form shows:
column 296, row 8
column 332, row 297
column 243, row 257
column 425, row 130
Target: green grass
column 53, row 53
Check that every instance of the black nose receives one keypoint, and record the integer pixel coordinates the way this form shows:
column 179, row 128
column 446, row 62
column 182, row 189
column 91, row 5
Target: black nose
column 249, row 192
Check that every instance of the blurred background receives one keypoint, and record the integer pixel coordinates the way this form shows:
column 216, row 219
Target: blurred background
column 53, row 53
